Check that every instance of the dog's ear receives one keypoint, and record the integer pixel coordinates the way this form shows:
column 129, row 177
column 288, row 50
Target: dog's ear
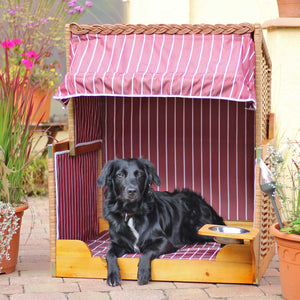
column 105, row 174
column 152, row 175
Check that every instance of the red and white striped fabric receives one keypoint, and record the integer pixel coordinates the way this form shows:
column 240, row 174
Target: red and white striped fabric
column 76, row 196
column 202, row 144
column 205, row 251
column 194, row 65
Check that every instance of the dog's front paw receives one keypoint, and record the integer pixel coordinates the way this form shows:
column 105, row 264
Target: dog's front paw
column 143, row 276
column 114, row 279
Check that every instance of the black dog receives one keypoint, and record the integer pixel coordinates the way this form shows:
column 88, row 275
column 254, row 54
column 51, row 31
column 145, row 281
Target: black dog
column 146, row 221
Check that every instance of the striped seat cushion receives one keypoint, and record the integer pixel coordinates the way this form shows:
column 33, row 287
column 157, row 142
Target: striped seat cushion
column 205, row 251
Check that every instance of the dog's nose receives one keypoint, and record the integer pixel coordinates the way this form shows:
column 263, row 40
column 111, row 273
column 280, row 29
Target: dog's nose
column 131, row 191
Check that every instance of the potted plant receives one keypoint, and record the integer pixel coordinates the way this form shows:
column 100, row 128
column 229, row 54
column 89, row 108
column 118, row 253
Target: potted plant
column 30, row 32
column 40, row 27
column 43, row 77
column 9, row 228
column 16, row 142
column 284, row 165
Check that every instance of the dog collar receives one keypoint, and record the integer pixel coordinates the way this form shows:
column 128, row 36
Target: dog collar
column 127, row 216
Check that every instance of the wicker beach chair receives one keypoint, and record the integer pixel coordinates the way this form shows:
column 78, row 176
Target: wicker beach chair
column 193, row 99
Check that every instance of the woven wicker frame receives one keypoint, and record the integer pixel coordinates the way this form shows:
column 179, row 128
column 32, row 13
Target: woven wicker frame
column 162, row 28
column 263, row 211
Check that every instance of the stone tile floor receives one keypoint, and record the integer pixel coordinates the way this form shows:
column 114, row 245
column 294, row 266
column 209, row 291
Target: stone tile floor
column 33, row 281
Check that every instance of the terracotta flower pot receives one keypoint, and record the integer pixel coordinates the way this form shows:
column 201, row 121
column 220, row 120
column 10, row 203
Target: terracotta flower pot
column 41, row 101
column 44, row 96
column 9, row 266
column 288, row 246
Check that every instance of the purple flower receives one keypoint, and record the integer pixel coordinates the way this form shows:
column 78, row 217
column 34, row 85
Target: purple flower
column 72, row 3
column 78, row 8
column 71, row 11
column 12, row 11
column 44, row 21
column 88, row 3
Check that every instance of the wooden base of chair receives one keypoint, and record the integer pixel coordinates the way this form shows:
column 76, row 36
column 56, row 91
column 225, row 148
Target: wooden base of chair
column 235, row 263
column 232, row 265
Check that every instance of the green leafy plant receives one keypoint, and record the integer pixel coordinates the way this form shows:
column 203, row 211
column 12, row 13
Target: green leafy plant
column 293, row 227
column 284, row 164
column 16, row 135
column 16, row 131
column 36, row 177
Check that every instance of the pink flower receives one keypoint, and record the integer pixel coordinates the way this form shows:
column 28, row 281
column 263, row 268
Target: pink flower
column 25, row 61
column 88, row 3
column 18, row 42
column 28, row 64
column 32, row 54
column 8, row 44
column 71, row 11
column 3, row 44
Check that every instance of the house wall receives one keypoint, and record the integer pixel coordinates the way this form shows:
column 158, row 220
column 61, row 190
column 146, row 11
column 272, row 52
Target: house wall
column 158, row 11
column 283, row 39
column 201, row 11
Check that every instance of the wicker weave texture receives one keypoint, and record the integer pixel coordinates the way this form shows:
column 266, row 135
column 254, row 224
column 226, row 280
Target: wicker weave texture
column 264, row 214
column 163, row 28
column 268, row 218
column 52, row 209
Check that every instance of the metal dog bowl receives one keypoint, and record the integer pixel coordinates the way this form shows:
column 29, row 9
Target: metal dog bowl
column 228, row 229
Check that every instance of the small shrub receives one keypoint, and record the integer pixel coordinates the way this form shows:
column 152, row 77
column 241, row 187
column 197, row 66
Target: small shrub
column 36, row 177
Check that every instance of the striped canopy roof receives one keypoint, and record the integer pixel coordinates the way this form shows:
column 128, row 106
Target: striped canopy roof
column 219, row 66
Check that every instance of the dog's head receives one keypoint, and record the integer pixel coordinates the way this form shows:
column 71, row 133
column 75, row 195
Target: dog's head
column 128, row 178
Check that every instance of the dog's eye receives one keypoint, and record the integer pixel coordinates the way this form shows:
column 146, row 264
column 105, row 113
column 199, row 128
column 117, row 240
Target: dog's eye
column 120, row 175
column 139, row 174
